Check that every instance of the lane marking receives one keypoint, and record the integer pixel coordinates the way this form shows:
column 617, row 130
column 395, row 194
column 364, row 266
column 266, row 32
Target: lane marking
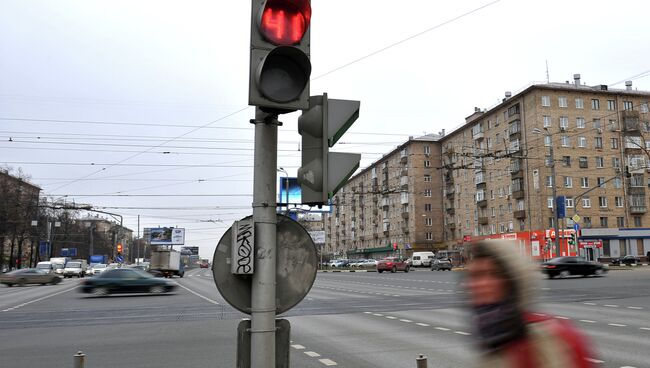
column 367, row 312
column 406, row 320
column 611, row 305
column 442, row 328
column 199, row 295
column 312, row 354
column 616, row 325
column 589, row 303
column 39, row 299
column 462, row 333
column 378, row 314
column 327, row 362
column 587, row 321
column 644, row 328
column 297, row 346
column 635, row 307
column 561, row 317
column 422, row 324
column 594, row 360
column 391, row 317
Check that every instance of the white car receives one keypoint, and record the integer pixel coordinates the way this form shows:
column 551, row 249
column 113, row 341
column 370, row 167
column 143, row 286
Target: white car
column 74, row 268
column 97, row 269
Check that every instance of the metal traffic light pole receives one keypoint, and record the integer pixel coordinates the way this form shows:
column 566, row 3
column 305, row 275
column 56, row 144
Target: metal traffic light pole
column 263, row 303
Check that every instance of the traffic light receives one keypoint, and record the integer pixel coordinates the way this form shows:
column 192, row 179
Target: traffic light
column 279, row 56
column 119, row 248
column 322, row 172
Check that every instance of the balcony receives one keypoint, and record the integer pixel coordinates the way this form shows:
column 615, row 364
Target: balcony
column 385, row 202
column 518, row 194
column 404, row 182
column 479, row 136
column 405, row 228
column 384, row 188
column 449, row 178
column 375, row 211
column 482, row 203
column 451, row 211
column 483, row 220
column 638, row 190
column 520, row 214
column 450, row 193
column 405, row 215
column 451, row 226
column 404, row 172
column 636, row 210
column 404, row 198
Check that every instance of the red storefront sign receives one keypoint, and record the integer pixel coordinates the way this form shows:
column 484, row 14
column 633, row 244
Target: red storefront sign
column 590, row 244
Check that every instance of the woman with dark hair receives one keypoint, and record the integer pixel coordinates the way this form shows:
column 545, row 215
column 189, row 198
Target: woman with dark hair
column 500, row 283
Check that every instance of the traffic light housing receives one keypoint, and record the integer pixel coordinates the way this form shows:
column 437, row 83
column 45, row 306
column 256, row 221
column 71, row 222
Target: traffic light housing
column 279, row 55
column 322, row 172
column 119, row 248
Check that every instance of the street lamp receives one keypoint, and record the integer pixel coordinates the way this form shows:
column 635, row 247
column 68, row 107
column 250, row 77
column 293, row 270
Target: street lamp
column 286, row 184
column 554, row 188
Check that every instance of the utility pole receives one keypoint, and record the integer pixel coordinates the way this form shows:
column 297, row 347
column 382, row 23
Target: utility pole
column 263, row 306
column 555, row 205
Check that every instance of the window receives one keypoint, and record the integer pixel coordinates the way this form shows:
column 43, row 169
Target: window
column 636, row 180
column 600, row 162
column 427, row 178
column 546, row 101
column 547, row 121
column 618, row 201
column 566, row 141
column 580, row 104
column 616, row 162
column 627, row 105
column 427, row 150
column 644, row 107
column 564, row 122
column 584, row 182
column 637, row 221
column 568, row 182
column 603, row 222
column 562, row 102
column 427, row 192
column 547, row 140
column 427, row 207
column 597, row 124
column 429, row 236
column 549, row 182
column 614, row 143
column 595, row 104
column 521, row 205
column 611, row 105
column 598, row 143
column 427, row 163
column 618, row 183
column 549, row 202
column 493, row 212
column 586, row 202
column 547, row 161
column 600, row 181
column 583, row 164
column 602, row 202
column 569, row 202
column 587, row 222
column 428, row 221
column 613, row 125
column 582, row 142
column 580, row 123
column 566, row 161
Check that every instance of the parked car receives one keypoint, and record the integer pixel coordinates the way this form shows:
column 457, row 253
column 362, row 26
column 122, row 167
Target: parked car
column 125, row 280
column 369, row 263
column 569, row 266
column 441, row 264
column 357, row 262
column 392, row 264
column 422, row 259
column 340, row 263
column 26, row 276
column 625, row 260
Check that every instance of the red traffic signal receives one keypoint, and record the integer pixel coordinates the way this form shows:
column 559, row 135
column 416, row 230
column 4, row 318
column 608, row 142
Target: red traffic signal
column 279, row 57
column 285, row 22
column 119, row 248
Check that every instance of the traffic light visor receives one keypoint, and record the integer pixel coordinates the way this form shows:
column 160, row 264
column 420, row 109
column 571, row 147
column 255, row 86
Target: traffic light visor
column 284, row 22
column 283, row 74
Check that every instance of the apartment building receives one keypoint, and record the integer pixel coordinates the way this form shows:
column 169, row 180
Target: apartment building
column 394, row 206
column 498, row 170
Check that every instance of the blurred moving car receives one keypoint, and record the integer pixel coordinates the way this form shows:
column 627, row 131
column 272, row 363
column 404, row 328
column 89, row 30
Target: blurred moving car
column 125, row 280
column 441, row 264
column 625, row 260
column 26, row 276
column 392, row 264
column 571, row 266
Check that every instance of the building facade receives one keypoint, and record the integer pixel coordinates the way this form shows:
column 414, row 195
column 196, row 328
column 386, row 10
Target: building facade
column 498, row 172
column 391, row 207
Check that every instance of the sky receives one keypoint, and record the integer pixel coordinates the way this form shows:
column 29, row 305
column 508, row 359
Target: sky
column 140, row 107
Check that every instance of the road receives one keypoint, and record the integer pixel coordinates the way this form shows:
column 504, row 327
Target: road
column 347, row 320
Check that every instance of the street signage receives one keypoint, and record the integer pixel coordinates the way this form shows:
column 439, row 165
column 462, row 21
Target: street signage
column 576, row 218
column 243, row 244
column 119, row 259
column 561, row 206
column 590, row 244
column 295, row 272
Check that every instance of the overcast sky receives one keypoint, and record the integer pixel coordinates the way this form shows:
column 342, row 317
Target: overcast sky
column 124, row 97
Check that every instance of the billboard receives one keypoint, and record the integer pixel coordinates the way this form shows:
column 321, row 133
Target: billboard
column 289, row 194
column 190, row 250
column 166, row 236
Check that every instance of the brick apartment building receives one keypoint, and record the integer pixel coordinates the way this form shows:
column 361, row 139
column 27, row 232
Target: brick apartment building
column 492, row 177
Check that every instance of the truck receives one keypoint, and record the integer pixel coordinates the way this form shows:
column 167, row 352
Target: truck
column 58, row 264
column 98, row 258
column 166, row 263
column 75, row 267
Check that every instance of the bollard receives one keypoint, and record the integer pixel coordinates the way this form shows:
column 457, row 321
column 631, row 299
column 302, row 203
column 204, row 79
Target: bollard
column 421, row 361
column 78, row 360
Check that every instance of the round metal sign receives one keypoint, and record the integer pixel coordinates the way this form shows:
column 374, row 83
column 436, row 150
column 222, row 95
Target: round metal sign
column 296, row 268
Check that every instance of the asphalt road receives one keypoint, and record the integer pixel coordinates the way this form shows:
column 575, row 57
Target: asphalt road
column 348, row 320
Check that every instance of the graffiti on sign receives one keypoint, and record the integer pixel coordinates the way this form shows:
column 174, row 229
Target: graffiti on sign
column 243, row 247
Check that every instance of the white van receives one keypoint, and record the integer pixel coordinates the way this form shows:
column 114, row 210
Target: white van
column 422, row 259
column 45, row 266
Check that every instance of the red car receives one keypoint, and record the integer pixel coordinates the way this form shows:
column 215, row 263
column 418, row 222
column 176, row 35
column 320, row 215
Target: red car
column 204, row 264
column 392, row 264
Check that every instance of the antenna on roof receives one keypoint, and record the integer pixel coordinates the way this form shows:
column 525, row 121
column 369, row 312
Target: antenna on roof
column 547, row 77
